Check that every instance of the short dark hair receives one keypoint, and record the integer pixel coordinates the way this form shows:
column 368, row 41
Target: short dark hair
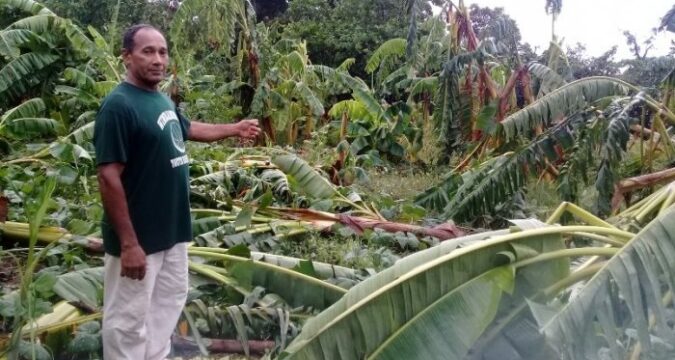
column 128, row 42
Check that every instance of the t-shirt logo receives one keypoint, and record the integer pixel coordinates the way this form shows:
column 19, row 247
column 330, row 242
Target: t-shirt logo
column 177, row 136
column 169, row 118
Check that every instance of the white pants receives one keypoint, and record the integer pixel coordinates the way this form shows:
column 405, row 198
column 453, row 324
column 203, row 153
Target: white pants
column 140, row 315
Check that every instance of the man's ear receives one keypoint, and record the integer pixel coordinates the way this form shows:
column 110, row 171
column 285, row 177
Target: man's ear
column 125, row 56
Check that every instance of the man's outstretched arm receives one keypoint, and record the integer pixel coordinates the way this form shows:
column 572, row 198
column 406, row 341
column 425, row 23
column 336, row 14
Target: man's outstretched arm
column 203, row 132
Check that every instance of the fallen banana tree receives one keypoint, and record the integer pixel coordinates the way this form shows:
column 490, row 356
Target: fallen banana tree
column 478, row 290
column 493, row 297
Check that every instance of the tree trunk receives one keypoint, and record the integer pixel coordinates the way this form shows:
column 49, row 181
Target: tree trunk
column 223, row 346
column 638, row 182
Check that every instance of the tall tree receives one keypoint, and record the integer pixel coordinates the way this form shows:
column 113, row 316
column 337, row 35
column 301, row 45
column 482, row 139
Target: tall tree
column 583, row 65
column 553, row 8
column 350, row 29
column 494, row 23
column 99, row 13
column 269, row 9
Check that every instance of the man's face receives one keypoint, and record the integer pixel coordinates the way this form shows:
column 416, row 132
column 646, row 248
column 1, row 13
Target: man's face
column 146, row 63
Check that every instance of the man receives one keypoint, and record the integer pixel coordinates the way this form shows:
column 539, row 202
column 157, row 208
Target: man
column 144, row 183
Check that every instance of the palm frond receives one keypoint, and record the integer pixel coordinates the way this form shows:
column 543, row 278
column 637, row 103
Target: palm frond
column 553, row 6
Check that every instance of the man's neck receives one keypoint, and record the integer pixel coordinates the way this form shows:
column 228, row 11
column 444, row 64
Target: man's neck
column 140, row 84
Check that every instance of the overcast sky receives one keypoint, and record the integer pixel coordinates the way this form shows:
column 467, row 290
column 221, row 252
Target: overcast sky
column 598, row 24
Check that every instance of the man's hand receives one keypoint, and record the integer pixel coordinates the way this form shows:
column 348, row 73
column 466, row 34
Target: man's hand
column 248, row 128
column 133, row 262
column 245, row 129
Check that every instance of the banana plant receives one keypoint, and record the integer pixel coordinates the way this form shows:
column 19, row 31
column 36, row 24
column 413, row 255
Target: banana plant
column 289, row 96
column 215, row 25
column 580, row 119
column 461, row 306
column 37, row 47
column 484, row 295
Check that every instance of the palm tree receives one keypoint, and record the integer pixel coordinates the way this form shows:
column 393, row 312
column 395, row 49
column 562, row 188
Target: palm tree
column 553, row 8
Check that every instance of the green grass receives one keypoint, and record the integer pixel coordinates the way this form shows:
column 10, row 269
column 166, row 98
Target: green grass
column 350, row 251
column 399, row 183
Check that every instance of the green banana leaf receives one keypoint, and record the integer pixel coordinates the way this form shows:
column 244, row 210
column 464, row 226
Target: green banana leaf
column 10, row 40
column 295, row 288
column 308, row 180
column 390, row 48
column 83, row 286
column 564, row 101
column 24, row 127
column 619, row 300
column 28, row 109
column 368, row 320
column 28, row 6
column 549, row 80
column 16, row 74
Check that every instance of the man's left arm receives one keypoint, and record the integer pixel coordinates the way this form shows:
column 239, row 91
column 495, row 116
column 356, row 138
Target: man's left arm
column 203, row 132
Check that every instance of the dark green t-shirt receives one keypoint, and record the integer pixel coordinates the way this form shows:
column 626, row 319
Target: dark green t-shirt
column 143, row 130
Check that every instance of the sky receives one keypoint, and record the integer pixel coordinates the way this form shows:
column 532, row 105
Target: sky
column 598, row 24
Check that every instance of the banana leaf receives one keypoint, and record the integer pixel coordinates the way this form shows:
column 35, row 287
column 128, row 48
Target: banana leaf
column 564, row 101
column 30, row 108
column 82, row 286
column 308, row 180
column 17, row 74
column 368, row 321
column 624, row 296
column 10, row 40
column 295, row 288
